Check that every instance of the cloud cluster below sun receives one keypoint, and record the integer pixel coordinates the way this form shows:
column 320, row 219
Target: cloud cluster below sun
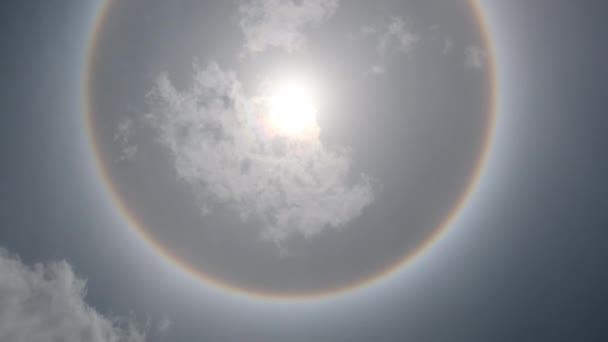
column 220, row 147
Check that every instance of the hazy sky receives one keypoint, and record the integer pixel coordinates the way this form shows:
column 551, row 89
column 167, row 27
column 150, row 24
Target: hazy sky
column 401, row 92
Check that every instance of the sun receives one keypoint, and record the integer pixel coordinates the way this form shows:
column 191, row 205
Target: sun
column 292, row 112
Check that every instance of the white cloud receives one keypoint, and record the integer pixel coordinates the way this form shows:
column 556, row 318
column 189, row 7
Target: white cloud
column 392, row 36
column 122, row 135
column 280, row 23
column 220, row 147
column 46, row 303
column 475, row 57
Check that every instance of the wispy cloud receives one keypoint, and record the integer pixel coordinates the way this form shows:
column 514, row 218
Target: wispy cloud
column 377, row 69
column 281, row 23
column 448, row 45
column 475, row 57
column 164, row 326
column 218, row 144
column 122, row 136
column 395, row 37
column 46, row 303
column 392, row 36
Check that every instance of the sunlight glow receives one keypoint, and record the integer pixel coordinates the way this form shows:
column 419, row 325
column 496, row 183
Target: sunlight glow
column 291, row 111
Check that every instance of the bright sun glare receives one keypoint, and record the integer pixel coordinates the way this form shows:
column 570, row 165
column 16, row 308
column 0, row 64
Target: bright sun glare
column 291, row 111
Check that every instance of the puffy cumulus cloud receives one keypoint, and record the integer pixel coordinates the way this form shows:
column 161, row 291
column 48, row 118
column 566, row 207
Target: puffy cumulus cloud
column 475, row 57
column 222, row 148
column 280, row 23
column 46, row 303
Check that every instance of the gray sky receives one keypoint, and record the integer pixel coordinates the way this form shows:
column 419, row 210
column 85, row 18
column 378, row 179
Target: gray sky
column 523, row 261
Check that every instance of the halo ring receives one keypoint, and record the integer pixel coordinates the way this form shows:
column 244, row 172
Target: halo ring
column 133, row 222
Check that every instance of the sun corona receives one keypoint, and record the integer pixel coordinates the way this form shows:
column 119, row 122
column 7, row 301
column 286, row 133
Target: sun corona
column 291, row 112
